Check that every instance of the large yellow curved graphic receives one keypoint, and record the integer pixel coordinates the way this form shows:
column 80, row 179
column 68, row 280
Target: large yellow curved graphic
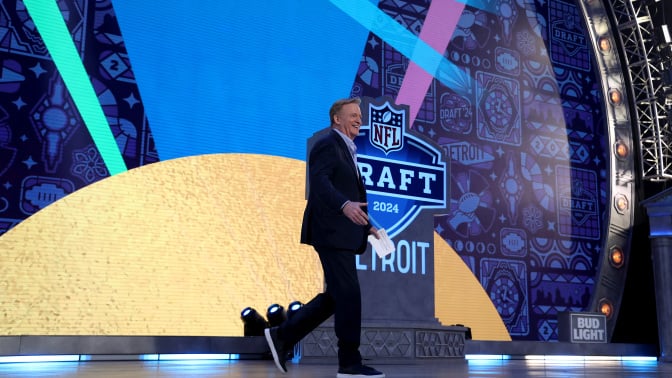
column 460, row 299
column 179, row 248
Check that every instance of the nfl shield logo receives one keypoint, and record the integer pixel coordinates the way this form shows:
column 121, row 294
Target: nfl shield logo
column 403, row 184
column 387, row 127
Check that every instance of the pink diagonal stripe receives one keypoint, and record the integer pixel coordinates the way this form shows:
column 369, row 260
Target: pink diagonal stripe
column 437, row 30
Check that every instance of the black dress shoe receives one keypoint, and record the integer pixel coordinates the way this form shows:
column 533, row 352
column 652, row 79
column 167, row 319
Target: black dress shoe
column 277, row 348
column 359, row 371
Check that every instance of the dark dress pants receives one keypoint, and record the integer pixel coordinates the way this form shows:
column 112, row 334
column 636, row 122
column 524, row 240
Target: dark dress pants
column 341, row 298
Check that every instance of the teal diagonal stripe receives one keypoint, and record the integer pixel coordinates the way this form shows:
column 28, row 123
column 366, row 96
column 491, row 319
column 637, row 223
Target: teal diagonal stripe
column 51, row 26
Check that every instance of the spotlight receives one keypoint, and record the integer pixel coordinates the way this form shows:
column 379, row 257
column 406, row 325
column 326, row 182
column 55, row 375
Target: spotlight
column 622, row 150
column 606, row 307
column 293, row 308
column 615, row 96
column 616, row 257
column 276, row 315
column 253, row 323
column 621, row 203
column 605, row 44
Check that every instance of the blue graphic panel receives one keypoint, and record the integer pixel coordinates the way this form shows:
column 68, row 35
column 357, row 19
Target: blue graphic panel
column 217, row 75
column 46, row 150
column 521, row 119
column 526, row 143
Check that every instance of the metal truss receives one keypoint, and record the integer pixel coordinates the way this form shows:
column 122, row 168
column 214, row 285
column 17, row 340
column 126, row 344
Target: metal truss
column 646, row 72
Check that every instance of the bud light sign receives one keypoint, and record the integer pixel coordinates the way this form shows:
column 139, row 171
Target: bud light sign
column 403, row 172
column 578, row 327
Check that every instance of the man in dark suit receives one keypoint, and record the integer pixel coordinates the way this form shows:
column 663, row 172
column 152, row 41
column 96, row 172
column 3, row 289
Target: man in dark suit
column 336, row 224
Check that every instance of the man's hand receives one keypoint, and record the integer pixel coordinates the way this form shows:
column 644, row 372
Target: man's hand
column 354, row 212
column 374, row 231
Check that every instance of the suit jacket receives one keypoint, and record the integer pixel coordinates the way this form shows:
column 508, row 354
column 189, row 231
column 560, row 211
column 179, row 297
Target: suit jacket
column 333, row 180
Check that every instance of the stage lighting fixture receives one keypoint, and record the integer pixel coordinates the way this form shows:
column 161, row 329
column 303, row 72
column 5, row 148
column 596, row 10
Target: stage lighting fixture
column 293, row 308
column 276, row 315
column 621, row 203
column 622, row 150
column 605, row 44
column 616, row 257
column 615, row 96
column 606, row 307
column 253, row 323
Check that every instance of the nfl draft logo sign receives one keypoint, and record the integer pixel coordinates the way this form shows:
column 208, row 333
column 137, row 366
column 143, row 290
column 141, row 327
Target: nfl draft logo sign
column 403, row 172
column 406, row 179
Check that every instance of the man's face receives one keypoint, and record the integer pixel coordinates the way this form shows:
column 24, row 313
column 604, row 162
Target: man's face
column 348, row 120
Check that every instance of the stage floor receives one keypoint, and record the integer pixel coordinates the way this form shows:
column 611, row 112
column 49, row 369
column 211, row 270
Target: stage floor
column 266, row 369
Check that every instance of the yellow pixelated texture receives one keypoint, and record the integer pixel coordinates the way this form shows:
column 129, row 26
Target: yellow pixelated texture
column 179, row 248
